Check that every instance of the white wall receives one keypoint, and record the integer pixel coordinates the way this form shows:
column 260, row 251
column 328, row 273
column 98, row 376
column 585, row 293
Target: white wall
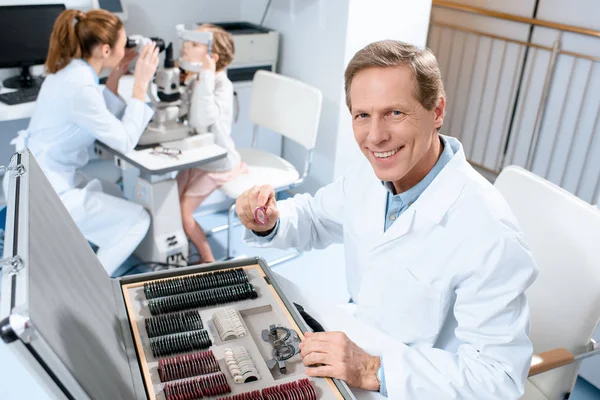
column 369, row 21
column 312, row 36
column 159, row 17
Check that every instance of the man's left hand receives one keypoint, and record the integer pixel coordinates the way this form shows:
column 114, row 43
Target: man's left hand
column 333, row 355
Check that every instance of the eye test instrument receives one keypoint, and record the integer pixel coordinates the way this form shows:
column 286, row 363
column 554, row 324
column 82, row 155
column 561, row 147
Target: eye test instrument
column 171, row 103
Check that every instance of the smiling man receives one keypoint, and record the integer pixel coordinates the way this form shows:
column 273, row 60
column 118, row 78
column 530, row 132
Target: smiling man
column 434, row 256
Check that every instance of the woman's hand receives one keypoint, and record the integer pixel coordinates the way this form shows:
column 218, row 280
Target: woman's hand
column 112, row 82
column 145, row 68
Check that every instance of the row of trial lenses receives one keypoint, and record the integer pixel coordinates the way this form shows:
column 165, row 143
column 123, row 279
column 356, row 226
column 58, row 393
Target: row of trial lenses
column 241, row 365
column 173, row 323
column 253, row 395
column 194, row 283
column 180, row 343
column 197, row 388
column 298, row 390
column 206, row 298
column 228, row 324
column 301, row 393
column 187, row 366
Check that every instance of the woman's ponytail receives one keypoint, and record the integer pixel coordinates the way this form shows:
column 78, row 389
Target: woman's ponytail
column 76, row 33
column 64, row 44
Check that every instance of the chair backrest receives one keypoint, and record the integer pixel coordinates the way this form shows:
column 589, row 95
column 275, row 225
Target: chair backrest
column 287, row 106
column 563, row 232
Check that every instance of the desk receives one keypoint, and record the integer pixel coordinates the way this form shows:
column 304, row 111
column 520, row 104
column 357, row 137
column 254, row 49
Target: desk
column 25, row 110
column 151, row 164
column 156, row 190
column 19, row 111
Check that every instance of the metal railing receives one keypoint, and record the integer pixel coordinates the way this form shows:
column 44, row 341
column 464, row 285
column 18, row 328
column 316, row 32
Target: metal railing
column 512, row 17
column 499, row 90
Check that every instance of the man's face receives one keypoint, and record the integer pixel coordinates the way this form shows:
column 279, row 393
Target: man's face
column 391, row 127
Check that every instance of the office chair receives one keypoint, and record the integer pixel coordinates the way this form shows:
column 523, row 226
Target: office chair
column 290, row 108
column 563, row 233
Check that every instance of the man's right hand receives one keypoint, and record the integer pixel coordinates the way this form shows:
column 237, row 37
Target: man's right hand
column 258, row 196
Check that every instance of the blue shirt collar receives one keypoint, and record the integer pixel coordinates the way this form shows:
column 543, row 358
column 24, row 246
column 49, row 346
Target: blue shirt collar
column 412, row 194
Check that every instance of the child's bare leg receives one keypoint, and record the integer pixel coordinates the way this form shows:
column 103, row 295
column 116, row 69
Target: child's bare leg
column 192, row 229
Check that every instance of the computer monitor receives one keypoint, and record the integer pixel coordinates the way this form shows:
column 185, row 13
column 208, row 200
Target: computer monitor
column 114, row 6
column 25, row 38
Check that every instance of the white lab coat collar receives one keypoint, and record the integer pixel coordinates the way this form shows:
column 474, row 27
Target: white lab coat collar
column 436, row 200
column 89, row 75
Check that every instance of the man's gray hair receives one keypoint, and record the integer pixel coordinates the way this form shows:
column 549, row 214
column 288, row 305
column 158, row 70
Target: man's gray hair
column 429, row 87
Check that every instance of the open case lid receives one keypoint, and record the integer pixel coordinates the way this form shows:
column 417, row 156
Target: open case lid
column 56, row 297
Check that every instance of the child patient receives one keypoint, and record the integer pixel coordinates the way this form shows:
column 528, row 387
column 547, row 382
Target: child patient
column 211, row 110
